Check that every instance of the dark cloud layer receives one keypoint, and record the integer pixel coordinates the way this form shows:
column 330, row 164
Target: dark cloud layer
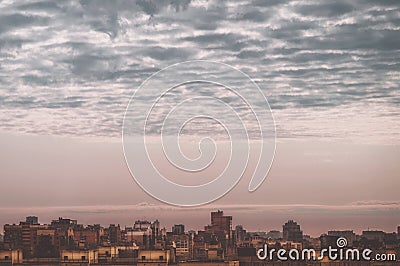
column 69, row 68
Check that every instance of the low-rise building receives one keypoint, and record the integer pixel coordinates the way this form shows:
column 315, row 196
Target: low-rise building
column 11, row 257
column 78, row 256
column 158, row 257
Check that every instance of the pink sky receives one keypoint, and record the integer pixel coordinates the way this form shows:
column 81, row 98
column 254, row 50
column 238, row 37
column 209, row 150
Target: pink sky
column 322, row 185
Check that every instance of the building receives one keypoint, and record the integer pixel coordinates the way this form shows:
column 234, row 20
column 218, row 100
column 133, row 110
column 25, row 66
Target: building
column 11, row 257
column 349, row 235
column 116, row 254
column 398, row 231
column 64, row 223
column 239, row 235
column 25, row 236
column 12, row 236
column 206, row 247
column 182, row 243
column 78, row 256
column 220, row 222
column 143, row 234
column 178, row 229
column 114, row 234
column 221, row 228
column 274, row 234
column 292, row 232
column 158, row 257
column 32, row 220
column 374, row 235
column 88, row 237
column 155, row 232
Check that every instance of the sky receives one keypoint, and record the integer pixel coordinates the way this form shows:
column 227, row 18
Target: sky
column 329, row 70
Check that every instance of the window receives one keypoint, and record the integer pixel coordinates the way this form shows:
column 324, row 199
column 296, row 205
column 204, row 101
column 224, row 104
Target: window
column 143, row 257
column 6, row 258
column 65, row 257
column 83, row 257
column 161, row 258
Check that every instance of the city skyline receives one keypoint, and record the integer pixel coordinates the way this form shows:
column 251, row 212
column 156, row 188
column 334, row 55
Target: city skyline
column 65, row 240
column 183, row 228
column 200, row 217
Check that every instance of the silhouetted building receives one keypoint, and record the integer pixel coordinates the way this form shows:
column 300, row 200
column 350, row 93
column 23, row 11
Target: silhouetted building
column 398, row 231
column 65, row 241
column 348, row 234
column 32, row 220
column 292, row 232
column 240, row 234
column 374, row 235
column 155, row 232
column 247, row 256
column 328, row 240
column 114, row 234
column 63, row 223
column 178, row 229
column 274, row 234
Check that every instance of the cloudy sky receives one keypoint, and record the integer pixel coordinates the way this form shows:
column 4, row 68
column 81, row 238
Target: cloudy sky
column 330, row 71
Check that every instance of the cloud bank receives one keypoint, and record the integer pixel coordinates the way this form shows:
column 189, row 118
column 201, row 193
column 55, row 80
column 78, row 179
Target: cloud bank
column 69, row 68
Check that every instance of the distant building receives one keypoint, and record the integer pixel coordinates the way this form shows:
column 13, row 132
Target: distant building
column 221, row 227
column 158, row 257
column 348, row 234
column 142, row 225
column 221, row 222
column 114, row 234
column 88, row 237
column 292, row 232
column 32, row 220
column 240, row 235
column 178, row 229
column 29, row 238
column 84, row 257
column 143, row 233
column 374, row 235
column 398, row 231
column 182, row 243
column 274, row 234
column 328, row 240
column 155, row 233
column 63, row 222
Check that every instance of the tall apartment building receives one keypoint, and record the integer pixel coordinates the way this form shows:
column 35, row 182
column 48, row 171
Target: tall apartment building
column 221, row 227
column 114, row 234
column 25, row 236
column 239, row 235
column 292, row 232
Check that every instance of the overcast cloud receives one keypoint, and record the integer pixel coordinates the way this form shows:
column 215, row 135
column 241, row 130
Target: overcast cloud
column 69, row 68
